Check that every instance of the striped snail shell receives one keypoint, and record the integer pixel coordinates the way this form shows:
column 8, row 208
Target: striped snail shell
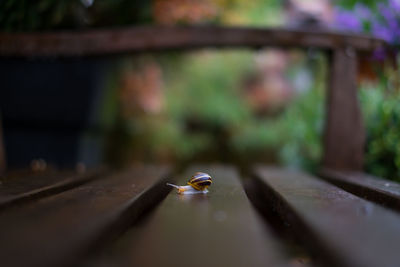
column 198, row 183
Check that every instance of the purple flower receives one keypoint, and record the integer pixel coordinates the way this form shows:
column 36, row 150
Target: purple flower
column 345, row 20
column 394, row 5
column 389, row 16
column 382, row 31
column 362, row 12
column 385, row 24
column 379, row 54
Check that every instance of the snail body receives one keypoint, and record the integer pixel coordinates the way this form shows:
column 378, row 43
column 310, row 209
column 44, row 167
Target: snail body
column 198, row 183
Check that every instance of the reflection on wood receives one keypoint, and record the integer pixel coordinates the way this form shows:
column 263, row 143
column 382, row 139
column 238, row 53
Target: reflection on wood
column 57, row 230
column 22, row 189
column 338, row 227
column 215, row 229
column 375, row 189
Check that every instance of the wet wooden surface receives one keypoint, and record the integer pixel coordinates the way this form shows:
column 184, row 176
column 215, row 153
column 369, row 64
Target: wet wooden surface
column 57, row 230
column 366, row 186
column 24, row 186
column 341, row 229
column 156, row 38
column 127, row 218
column 220, row 228
column 21, row 181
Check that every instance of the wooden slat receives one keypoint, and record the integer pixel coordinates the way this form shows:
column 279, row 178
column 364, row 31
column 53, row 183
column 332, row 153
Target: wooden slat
column 344, row 129
column 366, row 186
column 155, row 38
column 23, row 180
column 338, row 227
column 22, row 189
column 217, row 229
column 57, row 230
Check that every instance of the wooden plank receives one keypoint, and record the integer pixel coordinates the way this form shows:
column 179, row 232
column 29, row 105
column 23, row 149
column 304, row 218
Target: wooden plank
column 216, row 229
column 344, row 129
column 58, row 182
column 57, row 230
column 156, row 38
column 375, row 189
column 20, row 181
column 339, row 228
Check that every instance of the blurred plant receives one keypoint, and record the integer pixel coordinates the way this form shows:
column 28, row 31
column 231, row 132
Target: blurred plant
column 386, row 25
column 206, row 117
column 141, row 88
column 292, row 139
column 382, row 115
column 348, row 4
column 294, row 136
column 381, row 19
column 251, row 13
column 41, row 15
column 184, row 11
column 27, row 15
column 204, row 102
column 380, row 100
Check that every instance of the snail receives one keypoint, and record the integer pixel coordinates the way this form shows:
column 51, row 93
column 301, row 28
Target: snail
column 198, row 183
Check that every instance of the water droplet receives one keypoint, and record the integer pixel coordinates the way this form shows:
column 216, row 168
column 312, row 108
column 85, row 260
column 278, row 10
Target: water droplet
column 367, row 209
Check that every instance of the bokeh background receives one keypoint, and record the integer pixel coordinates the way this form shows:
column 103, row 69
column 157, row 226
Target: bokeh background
column 234, row 105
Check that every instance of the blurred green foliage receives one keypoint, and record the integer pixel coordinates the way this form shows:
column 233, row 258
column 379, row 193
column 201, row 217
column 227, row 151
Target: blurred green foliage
column 202, row 108
column 251, row 13
column 207, row 118
column 382, row 115
column 349, row 4
column 45, row 15
column 28, row 15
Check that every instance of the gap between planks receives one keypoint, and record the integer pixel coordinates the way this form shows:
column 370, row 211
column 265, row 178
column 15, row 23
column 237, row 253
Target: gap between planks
column 338, row 228
column 220, row 228
column 66, row 183
column 378, row 190
column 73, row 223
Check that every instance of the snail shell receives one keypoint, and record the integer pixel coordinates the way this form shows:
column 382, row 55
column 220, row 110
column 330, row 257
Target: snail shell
column 198, row 183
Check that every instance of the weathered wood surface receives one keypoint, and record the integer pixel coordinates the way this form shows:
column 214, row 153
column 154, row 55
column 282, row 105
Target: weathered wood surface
column 366, row 186
column 57, row 230
column 344, row 133
column 156, row 38
column 339, row 228
column 17, row 188
column 217, row 229
column 15, row 182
